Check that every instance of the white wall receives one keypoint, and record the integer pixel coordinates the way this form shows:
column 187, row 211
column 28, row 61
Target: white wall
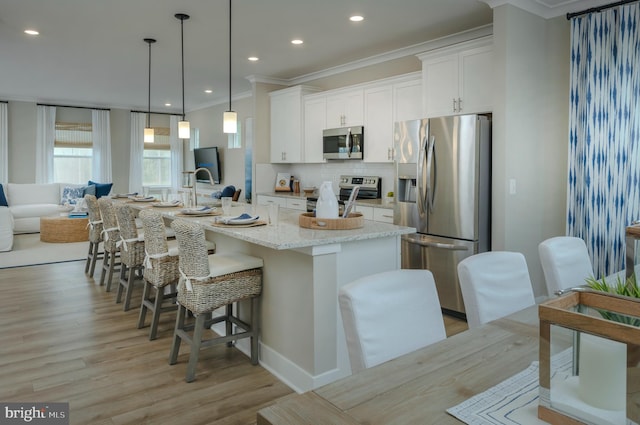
column 530, row 138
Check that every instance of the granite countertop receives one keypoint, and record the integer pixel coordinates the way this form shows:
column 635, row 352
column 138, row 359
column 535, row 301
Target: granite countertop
column 287, row 234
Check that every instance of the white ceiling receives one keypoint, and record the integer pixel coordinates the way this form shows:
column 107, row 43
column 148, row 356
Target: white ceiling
column 92, row 53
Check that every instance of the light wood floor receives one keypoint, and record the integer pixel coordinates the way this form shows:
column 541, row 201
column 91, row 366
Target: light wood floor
column 64, row 339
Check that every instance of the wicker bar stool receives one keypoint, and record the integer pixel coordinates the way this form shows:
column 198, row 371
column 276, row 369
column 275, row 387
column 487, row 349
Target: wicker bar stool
column 208, row 282
column 132, row 245
column 111, row 236
column 95, row 234
column 160, row 270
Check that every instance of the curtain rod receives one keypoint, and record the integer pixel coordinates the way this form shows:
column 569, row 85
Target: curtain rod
column 4, row 101
column 70, row 106
column 159, row 113
column 599, row 8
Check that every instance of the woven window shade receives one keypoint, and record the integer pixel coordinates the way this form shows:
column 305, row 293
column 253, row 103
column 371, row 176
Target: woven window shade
column 160, row 140
column 73, row 135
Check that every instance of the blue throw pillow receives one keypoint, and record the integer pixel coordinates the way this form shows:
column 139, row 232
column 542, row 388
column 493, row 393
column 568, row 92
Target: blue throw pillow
column 71, row 194
column 102, row 189
column 228, row 191
column 3, row 199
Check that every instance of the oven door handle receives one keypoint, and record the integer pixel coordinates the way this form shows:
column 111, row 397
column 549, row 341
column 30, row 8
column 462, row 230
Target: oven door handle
column 449, row 246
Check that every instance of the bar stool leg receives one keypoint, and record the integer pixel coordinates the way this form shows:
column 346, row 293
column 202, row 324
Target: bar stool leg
column 105, row 265
column 143, row 307
column 195, row 347
column 255, row 326
column 157, row 308
column 175, row 345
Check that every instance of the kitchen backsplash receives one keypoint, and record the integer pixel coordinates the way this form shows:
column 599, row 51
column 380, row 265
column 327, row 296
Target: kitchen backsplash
column 314, row 174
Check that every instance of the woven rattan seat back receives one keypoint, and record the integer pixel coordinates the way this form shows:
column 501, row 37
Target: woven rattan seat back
column 155, row 235
column 194, row 260
column 126, row 221
column 111, row 231
column 95, row 220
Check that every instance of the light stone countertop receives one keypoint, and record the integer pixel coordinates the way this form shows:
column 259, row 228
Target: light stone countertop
column 287, row 234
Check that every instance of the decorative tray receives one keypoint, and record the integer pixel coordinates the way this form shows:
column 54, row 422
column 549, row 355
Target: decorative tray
column 353, row 221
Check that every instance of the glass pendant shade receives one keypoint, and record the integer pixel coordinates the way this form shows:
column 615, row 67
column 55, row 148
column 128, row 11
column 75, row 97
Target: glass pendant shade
column 184, row 130
column 230, row 122
column 148, row 135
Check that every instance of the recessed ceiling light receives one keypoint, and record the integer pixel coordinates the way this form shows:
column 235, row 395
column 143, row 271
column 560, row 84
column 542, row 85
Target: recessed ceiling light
column 31, row 32
column 297, row 41
column 208, row 91
column 253, row 58
column 167, row 104
column 356, row 18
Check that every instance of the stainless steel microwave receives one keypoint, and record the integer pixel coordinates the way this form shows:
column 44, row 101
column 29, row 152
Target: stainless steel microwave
column 343, row 143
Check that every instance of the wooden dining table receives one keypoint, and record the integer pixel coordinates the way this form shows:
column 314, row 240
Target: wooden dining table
column 419, row 387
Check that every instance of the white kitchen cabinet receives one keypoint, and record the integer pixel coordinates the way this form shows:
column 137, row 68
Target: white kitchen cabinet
column 297, row 204
column 314, row 122
column 458, row 80
column 286, row 124
column 384, row 215
column 407, row 100
column 345, row 108
column 266, row 200
column 378, row 124
column 367, row 212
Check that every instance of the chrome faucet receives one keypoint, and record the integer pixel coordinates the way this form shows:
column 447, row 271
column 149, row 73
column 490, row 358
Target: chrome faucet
column 195, row 195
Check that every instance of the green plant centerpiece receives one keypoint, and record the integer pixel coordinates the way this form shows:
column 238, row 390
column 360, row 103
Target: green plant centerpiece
column 625, row 287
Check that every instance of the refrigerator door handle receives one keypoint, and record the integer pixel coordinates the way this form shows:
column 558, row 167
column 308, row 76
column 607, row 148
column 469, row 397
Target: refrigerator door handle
column 449, row 246
column 419, row 189
column 431, row 191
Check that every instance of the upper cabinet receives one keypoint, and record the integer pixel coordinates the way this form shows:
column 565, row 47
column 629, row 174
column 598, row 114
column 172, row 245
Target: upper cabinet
column 458, row 79
column 345, row 108
column 315, row 120
column 378, row 124
column 376, row 106
column 287, row 116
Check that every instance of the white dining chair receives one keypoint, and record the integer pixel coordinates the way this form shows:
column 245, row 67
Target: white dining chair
column 565, row 262
column 494, row 284
column 388, row 314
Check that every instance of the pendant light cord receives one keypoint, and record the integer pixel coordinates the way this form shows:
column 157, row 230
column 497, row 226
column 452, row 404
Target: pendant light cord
column 149, row 89
column 149, row 41
column 229, row 55
column 182, row 50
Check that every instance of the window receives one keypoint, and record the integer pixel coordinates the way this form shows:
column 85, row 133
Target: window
column 72, row 153
column 156, row 160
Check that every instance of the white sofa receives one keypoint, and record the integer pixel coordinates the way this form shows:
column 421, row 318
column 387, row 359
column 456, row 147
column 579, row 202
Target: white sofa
column 27, row 203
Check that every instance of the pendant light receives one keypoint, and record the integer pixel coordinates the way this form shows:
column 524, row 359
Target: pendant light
column 230, row 118
column 184, row 130
column 148, row 130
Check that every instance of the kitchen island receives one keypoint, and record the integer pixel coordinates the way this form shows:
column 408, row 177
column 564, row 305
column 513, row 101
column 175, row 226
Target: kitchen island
column 302, row 340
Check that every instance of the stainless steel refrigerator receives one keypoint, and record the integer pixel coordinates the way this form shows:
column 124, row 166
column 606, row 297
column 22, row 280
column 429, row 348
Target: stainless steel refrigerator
column 443, row 189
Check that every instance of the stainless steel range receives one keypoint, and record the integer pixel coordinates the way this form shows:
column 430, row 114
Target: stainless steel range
column 370, row 188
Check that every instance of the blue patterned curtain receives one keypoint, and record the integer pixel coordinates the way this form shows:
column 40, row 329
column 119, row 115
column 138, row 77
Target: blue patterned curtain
column 604, row 132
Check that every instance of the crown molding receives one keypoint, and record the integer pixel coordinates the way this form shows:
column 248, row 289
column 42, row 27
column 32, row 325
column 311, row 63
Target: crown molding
column 549, row 8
